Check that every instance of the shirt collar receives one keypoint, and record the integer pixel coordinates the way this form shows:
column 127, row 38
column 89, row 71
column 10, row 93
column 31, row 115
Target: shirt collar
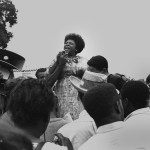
column 139, row 111
column 55, row 119
column 84, row 116
column 83, row 113
column 110, row 127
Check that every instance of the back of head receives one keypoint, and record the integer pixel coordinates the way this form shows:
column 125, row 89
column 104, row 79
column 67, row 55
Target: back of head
column 136, row 92
column 30, row 102
column 10, row 85
column 98, row 62
column 116, row 80
column 13, row 139
column 99, row 101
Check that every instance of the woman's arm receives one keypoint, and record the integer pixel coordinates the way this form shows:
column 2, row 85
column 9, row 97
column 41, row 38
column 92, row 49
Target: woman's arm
column 53, row 67
column 55, row 63
column 51, row 78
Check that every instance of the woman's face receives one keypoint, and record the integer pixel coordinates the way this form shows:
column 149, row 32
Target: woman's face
column 70, row 47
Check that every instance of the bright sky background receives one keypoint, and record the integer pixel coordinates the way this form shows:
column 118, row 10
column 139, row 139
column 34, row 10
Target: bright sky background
column 119, row 30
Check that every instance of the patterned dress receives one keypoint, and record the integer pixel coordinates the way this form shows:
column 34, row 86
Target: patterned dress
column 66, row 93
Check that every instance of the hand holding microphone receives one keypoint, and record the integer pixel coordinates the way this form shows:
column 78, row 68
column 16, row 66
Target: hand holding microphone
column 61, row 58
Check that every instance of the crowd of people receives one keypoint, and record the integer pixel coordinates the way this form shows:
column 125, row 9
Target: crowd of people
column 75, row 104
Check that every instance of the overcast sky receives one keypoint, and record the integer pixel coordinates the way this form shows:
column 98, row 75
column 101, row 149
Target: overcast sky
column 116, row 29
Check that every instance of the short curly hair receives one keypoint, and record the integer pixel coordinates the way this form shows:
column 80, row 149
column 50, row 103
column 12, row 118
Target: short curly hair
column 80, row 44
column 100, row 101
column 40, row 70
column 136, row 92
column 30, row 102
column 99, row 62
column 116, row 80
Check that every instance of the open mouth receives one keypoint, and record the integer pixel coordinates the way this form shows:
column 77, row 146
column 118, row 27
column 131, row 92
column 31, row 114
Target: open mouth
column 67, row 49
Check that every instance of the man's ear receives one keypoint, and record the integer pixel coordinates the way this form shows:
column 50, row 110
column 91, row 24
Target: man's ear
column 104, row 70
column 93, row 69
column 118, row 106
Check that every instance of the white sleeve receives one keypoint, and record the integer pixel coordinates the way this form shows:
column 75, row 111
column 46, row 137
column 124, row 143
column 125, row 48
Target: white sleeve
column 52, row 146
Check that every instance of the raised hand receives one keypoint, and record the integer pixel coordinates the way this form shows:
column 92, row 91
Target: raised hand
column 61, row 58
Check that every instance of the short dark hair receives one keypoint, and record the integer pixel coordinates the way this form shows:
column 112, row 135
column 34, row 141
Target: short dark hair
column 11, row 83
column 9, row 86
column 40, row 70
column 116, row 80
column 148, row 79
column 30, row 103
column 80, row 44
column 136, row 92
column 98, row 62
column 99, row 101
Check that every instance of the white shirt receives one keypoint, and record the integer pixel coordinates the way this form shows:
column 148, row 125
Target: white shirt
column 52, row 146
column 137, row 130
column 80, row 130
column 107, row 138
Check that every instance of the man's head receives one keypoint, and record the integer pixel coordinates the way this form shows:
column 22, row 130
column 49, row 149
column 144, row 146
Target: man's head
column 135, row 93
column 89, row 80
column 8, row 87
column 30, row 105
column 116, row 80
column 41, row 73
column 98, row 64
column 103, row 104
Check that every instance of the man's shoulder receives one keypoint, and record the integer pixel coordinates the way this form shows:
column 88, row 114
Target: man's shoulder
column 77, row 127
column 52, row 146
column 102, row 141
column 139, row 113
column 70, row 126
column 90, row 143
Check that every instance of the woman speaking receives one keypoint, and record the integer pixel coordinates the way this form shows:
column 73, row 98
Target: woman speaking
column 75, row 65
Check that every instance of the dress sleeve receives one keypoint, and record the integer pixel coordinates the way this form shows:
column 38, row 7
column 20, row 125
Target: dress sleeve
column 83, row 63
column 80, row 67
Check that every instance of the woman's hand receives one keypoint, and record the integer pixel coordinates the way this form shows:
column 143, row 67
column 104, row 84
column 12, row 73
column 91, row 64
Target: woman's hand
column 58, row 56
column 61, row 58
